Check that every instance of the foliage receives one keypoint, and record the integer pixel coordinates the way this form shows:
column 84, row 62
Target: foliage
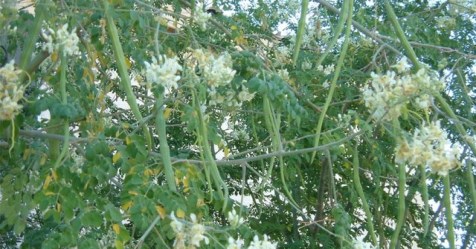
column 237, row 124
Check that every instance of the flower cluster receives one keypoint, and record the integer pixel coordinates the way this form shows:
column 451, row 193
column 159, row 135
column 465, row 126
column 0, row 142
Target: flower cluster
column 188, row 237
column 10, row 92
column 61, row 39
column 235, row 244
column 218, row 71
column 360, row 244
column 326, row 70
column 201, row 17
column 429, row 146
column 217, row 74
column 234, row 219
column 164, row 73
column 262, row 244
column 282, row 55
column 388, row 93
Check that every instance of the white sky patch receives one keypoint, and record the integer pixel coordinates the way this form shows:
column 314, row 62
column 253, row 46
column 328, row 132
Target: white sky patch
column 44, row 116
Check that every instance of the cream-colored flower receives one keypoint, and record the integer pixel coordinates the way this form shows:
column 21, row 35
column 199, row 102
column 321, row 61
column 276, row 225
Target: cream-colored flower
column 218, row 71
column 262, row 244
column 10, row 92
column 61, row 39
column 201, row 17
column 234, row 219
column 234, row 244
column 164, row 73
column 402, row 65
column 429, row 147
column 197, row 232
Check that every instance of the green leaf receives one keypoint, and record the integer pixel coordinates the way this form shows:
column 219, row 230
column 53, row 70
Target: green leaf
column 92, row 218
column 113, row 214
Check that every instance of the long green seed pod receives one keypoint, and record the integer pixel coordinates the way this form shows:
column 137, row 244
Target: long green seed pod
column 401, row 35
column 64, row 101
column 424, row 195
column 301, row 30
column 360, row 192
column 337, row 31
column 210, row 164
column 448, row 213
column 164, row 146
column 340, row 63
column 122, row 69
column 401, row 205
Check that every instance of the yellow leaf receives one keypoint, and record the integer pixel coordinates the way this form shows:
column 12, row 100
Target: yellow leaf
column 241, row 40
column 150, row 172
column 167, row 112
column 88, row 75
column 160, row 211
column 54, row 56
column 58, row 207
column 126, row 205
column 26, row 154
column 54, row 175
column 49, row 193
column 347, row 165
column 116, row 157
column 43, row 160
column 200, row 202
column 128, row 62
column 128, row 140
column 227, row 152
column 180, row 213
column 185, row 184
column 131, row 192
column 116, row 228
column 47, row 182
column 119, row 244
column 234, row 27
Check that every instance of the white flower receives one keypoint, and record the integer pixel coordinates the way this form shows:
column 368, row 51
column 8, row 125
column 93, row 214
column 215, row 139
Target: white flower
column 430, row 147
column 176, row 225
column 219, row 72
column 244, row 95
column 10, row 91
column 234, row 244
column 326, row 84
column 264, row 244
column 234, row 219
column 360, row 244
column 306, row 65
column 164, row 74
column 62, row 39
column 201, row 17
column 328, row 69
column 388, row 93
column 197, row 232
column 282, row 55
column 179, row 230
column 402, row 65
column 284, row 74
